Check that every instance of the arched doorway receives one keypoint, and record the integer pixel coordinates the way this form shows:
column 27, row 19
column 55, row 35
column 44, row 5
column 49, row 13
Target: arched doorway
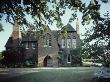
column 48, row 62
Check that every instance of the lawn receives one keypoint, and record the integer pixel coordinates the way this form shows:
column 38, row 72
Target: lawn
column 75, row 74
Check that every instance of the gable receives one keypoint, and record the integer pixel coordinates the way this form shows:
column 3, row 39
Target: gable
column 68, row 28
column 9, row 42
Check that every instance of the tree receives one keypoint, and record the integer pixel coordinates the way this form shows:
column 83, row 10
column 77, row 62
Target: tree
column 13, row 58
column 61, row 58
column 97, row 41
column 45, row 12
column 76, row 57
column 1, row 27
column 38, row 9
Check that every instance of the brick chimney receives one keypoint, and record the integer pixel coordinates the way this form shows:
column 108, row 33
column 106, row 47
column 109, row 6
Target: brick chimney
column 16, row 31
column 16, row 34
column 77, row 27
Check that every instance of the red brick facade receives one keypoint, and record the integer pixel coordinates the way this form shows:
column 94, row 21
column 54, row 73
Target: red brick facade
column 43, row 52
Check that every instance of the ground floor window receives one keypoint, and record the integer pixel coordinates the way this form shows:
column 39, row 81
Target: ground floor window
column 69, row 58
column 27, row 45
column 33, row 45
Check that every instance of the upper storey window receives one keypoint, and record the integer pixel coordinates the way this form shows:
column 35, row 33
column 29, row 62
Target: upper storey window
column 63, row 43
column 48, row 41
column 68, row 43
column 45, row 42
column 74, row 43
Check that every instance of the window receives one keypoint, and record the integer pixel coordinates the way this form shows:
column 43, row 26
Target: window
column 49, row 42
column 69, row 58
column 68, row 43
column 73, row 43
column 27, row 45
column 63, row 43
column 45, row 42
column 33, row 45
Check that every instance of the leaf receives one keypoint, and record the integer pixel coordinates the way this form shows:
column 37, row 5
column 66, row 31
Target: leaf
column 1, row 27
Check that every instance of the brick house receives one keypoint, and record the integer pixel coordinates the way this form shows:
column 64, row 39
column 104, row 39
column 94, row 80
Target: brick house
column 44, row 52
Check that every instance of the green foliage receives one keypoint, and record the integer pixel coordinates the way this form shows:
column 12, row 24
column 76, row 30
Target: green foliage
column 61, row 58
column 1, row 27
column 97, row 41
column 1, row 57
column 12, row 58
column 45, row 12
column 76, row 57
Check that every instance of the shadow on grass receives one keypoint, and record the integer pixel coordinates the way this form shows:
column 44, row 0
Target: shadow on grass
column 58, row 75
column 33, row 77
column 53, row 76
column 101, row 79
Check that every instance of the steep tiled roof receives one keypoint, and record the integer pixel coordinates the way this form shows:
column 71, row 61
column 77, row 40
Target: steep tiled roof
column 29, row 37
column 32, row 38
column 13, row 42
column 69, row 28
column 9, row 42
column 55, row 32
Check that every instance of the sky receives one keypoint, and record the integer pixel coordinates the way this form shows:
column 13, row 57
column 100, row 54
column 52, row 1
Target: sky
column 4, row 35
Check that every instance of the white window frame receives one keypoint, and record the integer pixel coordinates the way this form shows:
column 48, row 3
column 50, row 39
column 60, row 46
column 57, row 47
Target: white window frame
column 63, row 43
column 45, row 42
column 68, row 43
column 33, row 46
column 74, row 43
column 27, row 45
column 48, row 41
column 67, row 58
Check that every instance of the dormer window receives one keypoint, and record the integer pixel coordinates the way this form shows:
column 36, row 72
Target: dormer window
column 27, row 45
column 33, row 45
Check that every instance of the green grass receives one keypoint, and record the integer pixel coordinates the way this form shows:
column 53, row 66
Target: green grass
column 56, row 75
